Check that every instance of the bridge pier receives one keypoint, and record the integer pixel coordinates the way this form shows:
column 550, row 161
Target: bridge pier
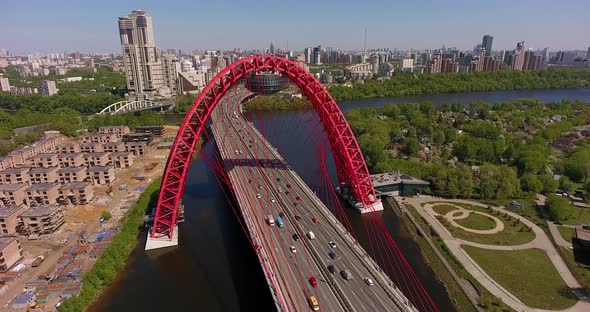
column 162, row 244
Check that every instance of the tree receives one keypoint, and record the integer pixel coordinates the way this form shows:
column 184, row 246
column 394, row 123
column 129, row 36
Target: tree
column 438, row 137
column 105, row 215
column 549, row 184
column 530, row 183
column 567, row 185
column 559, row 208
column 412, row 147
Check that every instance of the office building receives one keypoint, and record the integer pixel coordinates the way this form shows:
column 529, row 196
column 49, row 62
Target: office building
column 407, row 64
column 486, row 44
column 308, row 55
column 545, row 56
column 143, row 69
column 5, row 84
column 317, row 52
column 47, row 87
column 272, row 48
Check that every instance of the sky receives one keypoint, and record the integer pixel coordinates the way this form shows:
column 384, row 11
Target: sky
column 28, row 26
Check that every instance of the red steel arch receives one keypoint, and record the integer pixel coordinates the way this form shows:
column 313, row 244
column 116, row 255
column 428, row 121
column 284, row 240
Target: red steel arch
column 350, row 163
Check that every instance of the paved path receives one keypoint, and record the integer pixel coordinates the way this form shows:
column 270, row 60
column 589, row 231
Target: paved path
column 541, row 241
column 451, row 216
column 559, row 240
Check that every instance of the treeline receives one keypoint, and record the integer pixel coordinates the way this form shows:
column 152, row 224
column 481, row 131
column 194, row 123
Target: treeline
column 481, row 151
column 275, row 102
column 132, row 120
column 405, row 84
column 113, row 259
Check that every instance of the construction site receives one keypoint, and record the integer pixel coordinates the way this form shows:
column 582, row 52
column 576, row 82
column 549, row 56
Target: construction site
column 61, row 202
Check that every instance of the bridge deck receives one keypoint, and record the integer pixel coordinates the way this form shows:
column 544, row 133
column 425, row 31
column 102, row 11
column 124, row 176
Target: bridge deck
column 288, row 273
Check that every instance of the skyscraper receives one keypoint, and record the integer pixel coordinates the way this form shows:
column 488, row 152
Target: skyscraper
column 588, row 53
column 272, row 48
column 486, row 44
column 47, row 87
column 143, row 69
column 317, row 55
column 546, row 54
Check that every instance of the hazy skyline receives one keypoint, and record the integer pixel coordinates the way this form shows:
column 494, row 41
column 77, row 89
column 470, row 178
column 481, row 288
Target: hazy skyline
column 62, row 25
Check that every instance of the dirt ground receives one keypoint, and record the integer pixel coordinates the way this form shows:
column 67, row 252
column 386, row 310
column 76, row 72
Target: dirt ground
column 86, row 217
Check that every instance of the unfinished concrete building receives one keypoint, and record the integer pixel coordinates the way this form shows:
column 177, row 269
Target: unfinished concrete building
column 119, row 131
column 42, row 194
column 99, row 138
column 101, row 174
column 14, row 175
column 13, row 194
column 68, row 148
column 10, row 252
column 156, row 130
column 137, row 148
column 91, row 148
column 75, row 193
column 96, row 159
column 43, row 175
column 121, row 159
column 113, row 147
column 9, row 218
column 138, row 137
column 44, row 160
column 72, row 174
column 71, row 160
column 5, row 163
column 47, row 144
column 40, row 220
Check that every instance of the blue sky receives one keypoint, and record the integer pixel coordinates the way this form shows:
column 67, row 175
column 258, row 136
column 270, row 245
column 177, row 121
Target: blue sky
column 70, row 25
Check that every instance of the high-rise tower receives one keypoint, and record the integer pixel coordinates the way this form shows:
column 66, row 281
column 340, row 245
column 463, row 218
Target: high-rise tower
column 143, row 68
column 486, row 44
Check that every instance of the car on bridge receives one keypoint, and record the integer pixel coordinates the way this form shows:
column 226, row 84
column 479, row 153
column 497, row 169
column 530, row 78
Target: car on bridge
column 313, row 303
column 332, row 244
column 369, row 281
column 313, row 281
column 331, row 268
column 346, row 275
column 295, row 237
column 293, row 249
column 315, row 220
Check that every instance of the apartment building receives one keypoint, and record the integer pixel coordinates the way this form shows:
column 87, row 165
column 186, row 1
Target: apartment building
column 137, row 148
column 40, row 220
column 42, row 194
column 44, row 160
column 113, row 147
column 72, row 174
column 138, row 137
column 154, row 130
column 102, row 174
column 14, row 175
column 10, row 252
column 119, row 131
column 9, row 218
column 5, row 163
column 43, row 174
column 99, row 138
column 75, row 193
column 13, row 194
column 68, row 148
column 71, row 159
column 121, row 159
column 91, row 148
column 96, row 159
column 45, row 145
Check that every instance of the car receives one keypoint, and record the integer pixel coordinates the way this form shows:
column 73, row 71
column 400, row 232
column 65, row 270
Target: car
column 286, row 192
column 278, row 179
column 272, row 200
column 297, row 217
column 315, row 220
column 295, row 237
column 231, row 134
column 288, row 185
column 260, row 186
column 281, row 214
column 295, row 204
column 293, row 249
column 298, row 197
column 332, row 255
column 258, row 195
column 346, row 274
column 331, row 268
column 313, row 281
column 332, row 244
column 249, row 180
column 369, row 281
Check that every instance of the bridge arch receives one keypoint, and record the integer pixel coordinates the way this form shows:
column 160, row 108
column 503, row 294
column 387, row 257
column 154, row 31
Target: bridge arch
column 122, row 107
column 350, row 163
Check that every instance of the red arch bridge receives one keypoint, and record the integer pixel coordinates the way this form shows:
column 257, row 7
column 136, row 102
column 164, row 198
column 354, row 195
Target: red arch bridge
column 310, row 256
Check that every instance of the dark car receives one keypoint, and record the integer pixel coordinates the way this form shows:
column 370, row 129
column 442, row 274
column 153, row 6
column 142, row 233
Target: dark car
column 295, row 237
column 331, row 268
column 332, row 255
column 289, row 185
column 297, row 217
column 286, row 192
column 281, row 214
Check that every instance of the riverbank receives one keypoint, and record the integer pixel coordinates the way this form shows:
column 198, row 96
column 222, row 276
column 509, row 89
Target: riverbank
column 114, row 258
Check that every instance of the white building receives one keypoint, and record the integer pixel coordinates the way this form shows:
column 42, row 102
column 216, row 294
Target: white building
column 4, row 84
column 407, row 64
column 47, row 87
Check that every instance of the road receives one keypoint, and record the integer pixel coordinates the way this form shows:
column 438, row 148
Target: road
column 265, row 185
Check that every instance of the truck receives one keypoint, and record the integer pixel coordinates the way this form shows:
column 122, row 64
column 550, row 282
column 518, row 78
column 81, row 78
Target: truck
column 280, row 222
column 270, row 220
column 38, row 261
column 310, row 235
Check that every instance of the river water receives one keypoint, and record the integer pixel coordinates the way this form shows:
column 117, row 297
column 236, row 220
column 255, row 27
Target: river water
column 214, row 269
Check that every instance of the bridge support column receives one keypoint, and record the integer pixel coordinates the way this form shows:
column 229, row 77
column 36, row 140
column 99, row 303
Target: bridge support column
column 162, row 244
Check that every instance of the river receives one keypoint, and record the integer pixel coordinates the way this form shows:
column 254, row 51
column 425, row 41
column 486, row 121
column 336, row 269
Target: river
column 214, row 269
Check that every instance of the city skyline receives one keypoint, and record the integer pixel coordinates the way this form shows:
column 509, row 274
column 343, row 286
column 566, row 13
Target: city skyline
column 49, row 25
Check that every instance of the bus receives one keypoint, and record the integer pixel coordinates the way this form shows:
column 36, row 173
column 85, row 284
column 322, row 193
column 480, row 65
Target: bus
column 280, row 222
column 313, row 303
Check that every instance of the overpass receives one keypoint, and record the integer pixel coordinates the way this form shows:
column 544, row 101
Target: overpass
column 124, row 107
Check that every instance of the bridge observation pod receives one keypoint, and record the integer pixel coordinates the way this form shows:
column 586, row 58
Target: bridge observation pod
column 350, row 165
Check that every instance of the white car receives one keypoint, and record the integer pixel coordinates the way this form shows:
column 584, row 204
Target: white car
column 369, row 281
column 258, row 196
column 293, row 250
column 332, row 244
column 272, row 200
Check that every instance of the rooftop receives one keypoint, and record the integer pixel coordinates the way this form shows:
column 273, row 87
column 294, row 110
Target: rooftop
column 70, row 155
column 112, row 143
column 44, row 155
column 14, row 170
column 99, row 135
column 95, row 154
column 113, row 127
column 136, row 143
column 5, row 240
column 120, row 154
column 68, row 144
column 12, row 187
column 8, row 211
column 138, row 135
column 42, row 186
column 395, row 177
column 99, row 168
column 75, row 186
column 90, row 144
column 35, row 212
column 36, row 170
column 71, row 169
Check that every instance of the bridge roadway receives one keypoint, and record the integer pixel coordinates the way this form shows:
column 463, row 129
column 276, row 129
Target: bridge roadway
column 255, row 176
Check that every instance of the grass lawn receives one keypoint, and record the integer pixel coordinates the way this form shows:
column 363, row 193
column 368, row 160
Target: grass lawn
column 581, row 270
column 582, row 216
column 477, row 221
column 513, row 234
column 528, row 274
column 567, row 233
column 443, row 209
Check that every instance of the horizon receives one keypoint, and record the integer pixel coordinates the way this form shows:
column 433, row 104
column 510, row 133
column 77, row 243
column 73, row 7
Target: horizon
column 31, row 27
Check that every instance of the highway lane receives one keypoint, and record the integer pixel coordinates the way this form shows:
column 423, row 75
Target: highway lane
column 361, row 296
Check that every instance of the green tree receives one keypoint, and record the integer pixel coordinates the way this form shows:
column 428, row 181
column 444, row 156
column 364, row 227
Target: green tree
column 559, row 208
column 566, row 185
column 438, row 137
column 550, row 185
column 412, row 147
column 530, row 183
